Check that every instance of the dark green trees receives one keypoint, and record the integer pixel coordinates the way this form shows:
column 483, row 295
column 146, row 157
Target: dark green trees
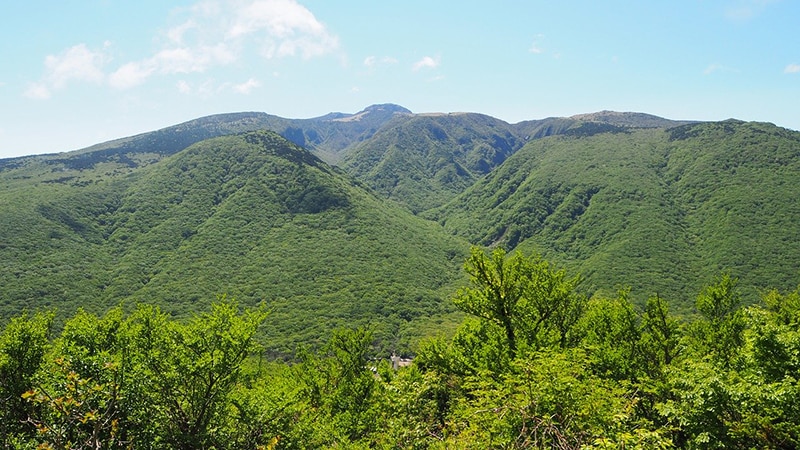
column 23, row 344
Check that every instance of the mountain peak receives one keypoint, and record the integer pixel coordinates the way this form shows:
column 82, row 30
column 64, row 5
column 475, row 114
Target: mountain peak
column 628, row 119
column 374, row 112
column 387, row 107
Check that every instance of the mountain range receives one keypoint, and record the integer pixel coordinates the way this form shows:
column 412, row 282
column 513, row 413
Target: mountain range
column 367, row 218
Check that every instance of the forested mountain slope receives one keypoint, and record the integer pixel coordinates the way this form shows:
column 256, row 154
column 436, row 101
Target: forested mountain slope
column 249, row 215
column 325, row 136
column 425, row 159
column 624, row 199
column 349, row 265
column 659, row 210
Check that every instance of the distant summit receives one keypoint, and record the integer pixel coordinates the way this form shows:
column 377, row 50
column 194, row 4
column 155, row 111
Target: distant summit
column 388, row 107
column 374, row 113
column 629, row 119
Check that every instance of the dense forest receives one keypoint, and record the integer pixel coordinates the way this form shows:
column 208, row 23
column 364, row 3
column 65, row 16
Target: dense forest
column 221, row 205
column 535, row 364
column 241, row 281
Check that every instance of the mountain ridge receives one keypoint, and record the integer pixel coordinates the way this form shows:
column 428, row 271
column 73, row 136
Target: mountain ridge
column 660, row 209
column 608, row 205
column 228, row 123
column 250, row 215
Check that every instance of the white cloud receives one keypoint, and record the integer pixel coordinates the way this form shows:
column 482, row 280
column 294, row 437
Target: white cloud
column 203, row 88
column 536, row 45
column 715, row 67
column 792, row 68
column 213, row 33
column 285, row 28
column 131, row 74
column 178, row 60
column 197, row 59
column 171, row 61
column 175, row 34
column 217, row 31
column 280, row 18
column 370, row 61
column 77, row 63
column 210, row 87
column 426, row 62
column 183, row 87
column 38, row 91
column 247, row 86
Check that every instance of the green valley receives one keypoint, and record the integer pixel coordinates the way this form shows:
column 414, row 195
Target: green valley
column 608, row 280
column 214, row 206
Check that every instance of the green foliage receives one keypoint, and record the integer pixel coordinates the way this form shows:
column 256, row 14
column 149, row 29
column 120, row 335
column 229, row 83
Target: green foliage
column 777, row 335
column 535, row 364
column 635, row 379
column 425, row 160
column 341, row 388
column 625, row 378
column 720, row 331
column 661, row 334
column 612, row 333
column 646, row 209
column 535, row 405
column 149, row 219
column 533, row 303
column 249, row 215
column 23, row 344
column 77, row 412
column 141, row 381
column 193, row 368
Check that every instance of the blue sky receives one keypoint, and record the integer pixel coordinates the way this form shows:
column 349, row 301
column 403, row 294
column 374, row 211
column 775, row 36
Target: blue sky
column 79, row 72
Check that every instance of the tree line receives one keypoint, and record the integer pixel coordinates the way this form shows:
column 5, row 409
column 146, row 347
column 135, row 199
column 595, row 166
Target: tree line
column 536, row 364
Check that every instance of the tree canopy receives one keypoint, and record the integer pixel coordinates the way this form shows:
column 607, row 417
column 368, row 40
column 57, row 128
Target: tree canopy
column 534, row 365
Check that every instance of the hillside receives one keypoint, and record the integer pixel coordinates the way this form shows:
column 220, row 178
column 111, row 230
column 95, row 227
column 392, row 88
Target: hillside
column 629, row 119
column 249, row 215
column 326, row 136
column 418, row 160
column 175, row 218
column 660, row 210
column 425, row 159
